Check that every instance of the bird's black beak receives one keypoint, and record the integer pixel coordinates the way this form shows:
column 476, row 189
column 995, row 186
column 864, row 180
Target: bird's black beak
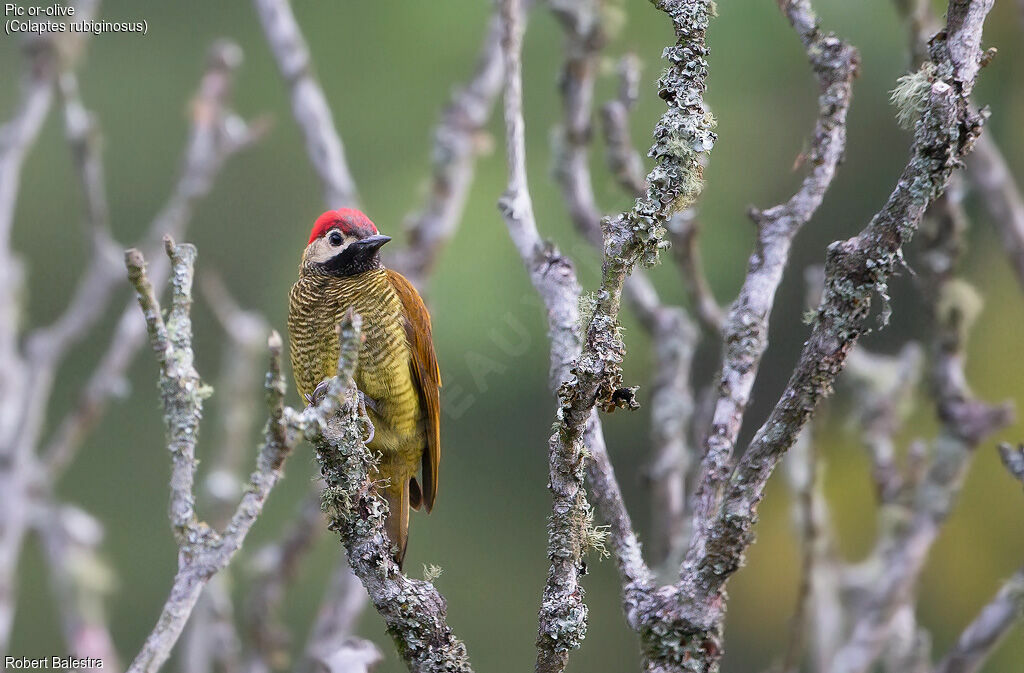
column 358, row 257
column 369, row 245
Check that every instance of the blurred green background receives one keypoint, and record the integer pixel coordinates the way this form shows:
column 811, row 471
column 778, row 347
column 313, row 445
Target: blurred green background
column 388, row 69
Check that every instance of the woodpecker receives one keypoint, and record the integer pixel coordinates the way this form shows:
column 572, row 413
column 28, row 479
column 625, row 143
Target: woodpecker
column 397, row 373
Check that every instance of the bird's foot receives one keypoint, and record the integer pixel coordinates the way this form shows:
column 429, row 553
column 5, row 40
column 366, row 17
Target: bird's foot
column 319, row 393
column 367, row 402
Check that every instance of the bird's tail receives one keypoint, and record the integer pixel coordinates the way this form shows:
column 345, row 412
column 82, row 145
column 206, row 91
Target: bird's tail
column 397, row 525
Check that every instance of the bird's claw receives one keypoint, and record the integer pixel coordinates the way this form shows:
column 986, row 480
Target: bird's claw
column 366, row 416
column 364, row 403
column 319, row 393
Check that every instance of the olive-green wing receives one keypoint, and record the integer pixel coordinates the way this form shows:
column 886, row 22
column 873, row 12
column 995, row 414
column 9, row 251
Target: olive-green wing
column 427, row 377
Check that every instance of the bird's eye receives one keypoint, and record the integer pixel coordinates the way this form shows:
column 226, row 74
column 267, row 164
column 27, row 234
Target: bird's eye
column 334, row 239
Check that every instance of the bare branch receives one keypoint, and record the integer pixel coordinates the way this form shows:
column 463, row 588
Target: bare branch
column 202, row 551
column 215, row 136
column 672, row 334
column 683, row 231
column 80, row 579
column 819, row 612
column 1013, row 459
column 331, row 637
column 882, row 388
column 624, row 160
column 16, row 139
column 746, row 327
column 274, row 566
column 982, row 635
column 309, row 105
column 457, row 143
column 855, row 270
column 991, row 177
column 245, row 335
column 211, row 642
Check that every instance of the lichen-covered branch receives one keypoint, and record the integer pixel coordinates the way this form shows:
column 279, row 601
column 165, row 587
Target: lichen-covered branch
column 745, row 331
column 673, row 336
column 626, row 167
column 681, row 136
column 413, row 610
column 987, row 169
column 309, row 104
column 203, row 551
column 562, row 621
column 856, row 269
column 912, row 517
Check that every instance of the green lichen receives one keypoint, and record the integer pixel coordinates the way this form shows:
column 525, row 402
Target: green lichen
column 959, row 306
column 911, row 95
column 431, row 572
column 586, row 305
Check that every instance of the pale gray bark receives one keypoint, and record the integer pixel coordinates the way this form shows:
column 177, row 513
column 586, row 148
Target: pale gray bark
column 309, row 104
column 33, row 368
column 203, row 551
column 745, row 330
column 673, row 336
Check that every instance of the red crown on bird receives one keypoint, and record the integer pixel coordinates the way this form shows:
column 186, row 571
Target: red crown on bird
column 349, row 221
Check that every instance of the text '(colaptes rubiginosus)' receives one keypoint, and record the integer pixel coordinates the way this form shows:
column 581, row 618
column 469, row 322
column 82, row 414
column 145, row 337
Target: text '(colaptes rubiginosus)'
column 397, row 372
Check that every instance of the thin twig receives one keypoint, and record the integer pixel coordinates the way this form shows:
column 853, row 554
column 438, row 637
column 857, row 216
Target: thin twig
column 991, row 177
column 882, row 388
column 672, row 335
column 309, row 104
column 274, row 566
column 202, row 551
column 981, row 636
column 81, row 581
column 745, row 332
column 1013, row 459
column 855, row 270
column 457, row 143
column 215, row 136
column 331, row 639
